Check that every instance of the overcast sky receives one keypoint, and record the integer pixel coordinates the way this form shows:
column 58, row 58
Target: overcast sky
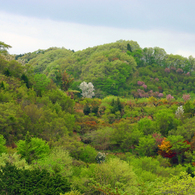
column 29, row 25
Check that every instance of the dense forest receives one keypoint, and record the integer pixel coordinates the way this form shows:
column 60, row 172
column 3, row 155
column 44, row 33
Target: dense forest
column 115, row 119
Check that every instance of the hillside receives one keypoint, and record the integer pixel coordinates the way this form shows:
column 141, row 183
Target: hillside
column 116, row 68
column 56, row 140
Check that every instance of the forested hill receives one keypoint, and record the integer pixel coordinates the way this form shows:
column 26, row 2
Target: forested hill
column 55, row 140
column 122, row 68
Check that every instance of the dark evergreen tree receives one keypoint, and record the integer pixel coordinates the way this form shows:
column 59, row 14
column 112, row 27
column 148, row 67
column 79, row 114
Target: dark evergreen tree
column 15, row 181
column 86, row 109
column 119, row 105
column 7, row 72
column 25, row 79
column 129, row 47
column 2, row 86
column 95, row 109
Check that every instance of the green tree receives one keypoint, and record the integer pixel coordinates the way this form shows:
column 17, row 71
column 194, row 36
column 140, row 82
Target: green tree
column 178, row 146
column 88, row 154
column 187, row 130
column 146, row 126
column 16, row 69
column 12, row 122
column 165, row 121
column 40, row 83
column 147, row 146
column 4, row 47
column 32, row 148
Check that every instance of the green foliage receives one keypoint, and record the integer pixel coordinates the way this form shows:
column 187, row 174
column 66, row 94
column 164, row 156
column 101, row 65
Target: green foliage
column 2, row 145
column 12, row 121
column 166, row 121
column 114, row 123
column 117, row 106
column 187, row 130
column 147, row 126
column 88, row 154
column 115, row 172
column 86, row 109
column 70, row 144
column 72, row 193
column 180, row 184
column 40, row 83
column 57, row 162
column 101, row 139
column 178, row 145
column 147, row 146
column 149, row 169
column 126, row 135
column 32, row 148
column 25, row 79
column 7, row 72
column 23, row 181
column 4, row 47
column 58, row 96
column 112, row 68
column 15, row 160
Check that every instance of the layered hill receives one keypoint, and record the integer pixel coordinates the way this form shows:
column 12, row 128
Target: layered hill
column 122, row 68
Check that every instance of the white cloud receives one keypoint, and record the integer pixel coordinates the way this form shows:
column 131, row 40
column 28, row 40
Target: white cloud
column 27, row 34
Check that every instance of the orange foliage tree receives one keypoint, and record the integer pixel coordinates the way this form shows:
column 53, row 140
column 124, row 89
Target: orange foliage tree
column 165, row 149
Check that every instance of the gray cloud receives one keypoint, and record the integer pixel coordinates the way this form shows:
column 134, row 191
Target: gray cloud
column 168, row 14
column 27, row 34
